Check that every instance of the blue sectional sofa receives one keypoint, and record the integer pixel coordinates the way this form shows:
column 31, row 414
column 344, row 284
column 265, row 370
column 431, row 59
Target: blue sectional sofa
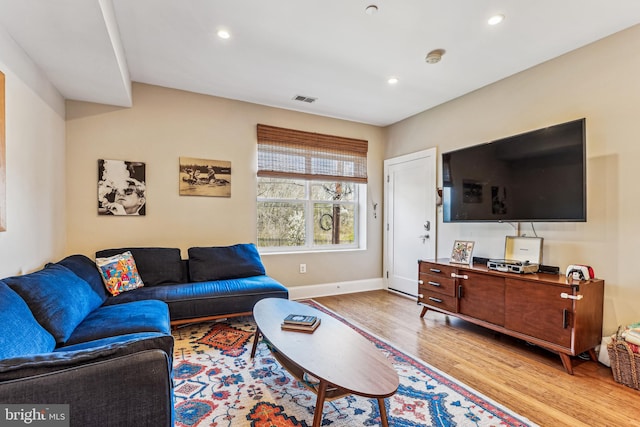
column 213, row 282
column 65, row 340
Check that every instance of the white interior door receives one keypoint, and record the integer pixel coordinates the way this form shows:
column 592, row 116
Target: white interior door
column 410, row 213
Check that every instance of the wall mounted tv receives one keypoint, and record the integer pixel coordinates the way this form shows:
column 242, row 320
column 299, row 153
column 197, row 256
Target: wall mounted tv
column 532, row 177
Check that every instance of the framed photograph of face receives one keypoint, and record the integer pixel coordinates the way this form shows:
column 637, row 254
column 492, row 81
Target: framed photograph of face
column 121, row 188
column 462, row 252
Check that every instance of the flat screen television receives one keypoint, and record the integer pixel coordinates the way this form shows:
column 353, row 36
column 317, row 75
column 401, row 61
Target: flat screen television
column 532, row 177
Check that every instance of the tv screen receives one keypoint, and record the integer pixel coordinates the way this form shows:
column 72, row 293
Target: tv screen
column 531, row 177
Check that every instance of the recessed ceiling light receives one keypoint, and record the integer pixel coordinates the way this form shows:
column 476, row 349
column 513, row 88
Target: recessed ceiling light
column 392, row 80
column 372, row 9
column 495, row 19
column 224, row 34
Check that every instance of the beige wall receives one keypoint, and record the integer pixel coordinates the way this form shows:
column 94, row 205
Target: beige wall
column 599, row 82
column 35, row 165
column 165, row 124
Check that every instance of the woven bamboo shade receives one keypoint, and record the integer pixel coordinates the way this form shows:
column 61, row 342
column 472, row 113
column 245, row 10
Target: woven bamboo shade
column 288, row 153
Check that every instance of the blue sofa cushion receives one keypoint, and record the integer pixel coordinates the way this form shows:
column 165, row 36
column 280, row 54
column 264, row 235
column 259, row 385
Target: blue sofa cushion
column 224, row 262
column 123, row 319
column 57, row 297
column 202, row 299
column 20, row 333
column 86, row 269
column 156, row 266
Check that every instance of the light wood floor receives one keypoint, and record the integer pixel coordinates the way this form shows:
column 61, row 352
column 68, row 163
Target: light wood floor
column 527, row 379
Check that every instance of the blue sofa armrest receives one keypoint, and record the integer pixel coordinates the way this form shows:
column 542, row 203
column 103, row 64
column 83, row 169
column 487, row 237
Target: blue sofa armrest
column 126, row 390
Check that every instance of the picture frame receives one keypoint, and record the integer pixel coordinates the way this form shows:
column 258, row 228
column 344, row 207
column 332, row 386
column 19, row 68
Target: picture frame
column 204, row 177
column 462, row 252
column 122, row 188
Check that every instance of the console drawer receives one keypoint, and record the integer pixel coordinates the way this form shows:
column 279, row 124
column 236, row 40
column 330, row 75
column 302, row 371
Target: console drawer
column 437, row 300
column 436, row 269
column 437, row 283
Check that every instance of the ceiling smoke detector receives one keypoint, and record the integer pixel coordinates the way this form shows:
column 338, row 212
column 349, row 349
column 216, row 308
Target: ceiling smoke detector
column 434, row 56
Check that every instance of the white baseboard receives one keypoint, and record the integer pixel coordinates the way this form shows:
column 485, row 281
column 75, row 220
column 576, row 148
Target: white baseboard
column 338, row 288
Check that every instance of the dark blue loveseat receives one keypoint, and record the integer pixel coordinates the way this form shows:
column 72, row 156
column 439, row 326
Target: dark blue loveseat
column 65, row 340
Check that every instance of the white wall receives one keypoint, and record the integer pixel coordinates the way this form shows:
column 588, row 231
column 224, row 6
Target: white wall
column 35, row 165
column 599, row 82
column 165, row 124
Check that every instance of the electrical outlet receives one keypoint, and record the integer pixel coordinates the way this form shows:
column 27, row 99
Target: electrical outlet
column 303, row 268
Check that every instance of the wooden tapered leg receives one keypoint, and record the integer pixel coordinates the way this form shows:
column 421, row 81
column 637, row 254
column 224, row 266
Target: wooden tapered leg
column 424, row 311
column 317, row 414
column 256, row 338
column 383, row 412
column 566, row 362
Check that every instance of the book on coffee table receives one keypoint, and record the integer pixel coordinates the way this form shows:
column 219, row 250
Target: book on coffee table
column 300, row 319
column 301, row 327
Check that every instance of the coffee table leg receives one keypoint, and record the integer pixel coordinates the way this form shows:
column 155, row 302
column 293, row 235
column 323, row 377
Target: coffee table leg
column 383, row 412
column 256, row 338
column 317, row 415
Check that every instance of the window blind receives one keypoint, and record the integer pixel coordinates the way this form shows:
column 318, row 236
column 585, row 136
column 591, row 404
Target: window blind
column 288, row 153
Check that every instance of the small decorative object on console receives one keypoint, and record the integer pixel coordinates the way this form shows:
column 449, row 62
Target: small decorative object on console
column 461, row 253
column 580, row 272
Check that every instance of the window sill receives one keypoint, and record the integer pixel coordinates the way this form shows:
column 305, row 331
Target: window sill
column 307, row 251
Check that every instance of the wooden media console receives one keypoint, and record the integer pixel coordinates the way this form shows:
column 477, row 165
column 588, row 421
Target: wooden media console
column 551, row 311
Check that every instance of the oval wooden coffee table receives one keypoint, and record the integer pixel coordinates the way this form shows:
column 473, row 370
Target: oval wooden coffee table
column 341, row 359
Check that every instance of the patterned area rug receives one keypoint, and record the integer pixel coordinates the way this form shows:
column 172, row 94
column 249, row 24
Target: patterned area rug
column 217, row 384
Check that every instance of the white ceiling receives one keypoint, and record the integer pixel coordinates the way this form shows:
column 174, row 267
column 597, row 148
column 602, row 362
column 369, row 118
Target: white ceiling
column 332, row 50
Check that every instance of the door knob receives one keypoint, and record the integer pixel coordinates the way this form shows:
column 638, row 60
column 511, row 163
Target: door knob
column 424, row 237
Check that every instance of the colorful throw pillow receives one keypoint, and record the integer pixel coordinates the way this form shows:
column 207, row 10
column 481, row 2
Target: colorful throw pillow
column 119, row 273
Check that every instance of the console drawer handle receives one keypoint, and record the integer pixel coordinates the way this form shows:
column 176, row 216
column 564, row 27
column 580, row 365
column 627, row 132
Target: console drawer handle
column 459, row 276
column 421, row 296
column 435, row 284
column 438, row 300
column 435, row 270
column 420, row 282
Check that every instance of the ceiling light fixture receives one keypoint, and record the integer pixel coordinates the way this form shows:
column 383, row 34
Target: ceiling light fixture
column 434, row 56
column 372, row 9
column 224, row 34
column 393, row 80
column 495, row 19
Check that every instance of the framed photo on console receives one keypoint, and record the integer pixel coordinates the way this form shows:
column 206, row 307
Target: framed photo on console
column 462, row 252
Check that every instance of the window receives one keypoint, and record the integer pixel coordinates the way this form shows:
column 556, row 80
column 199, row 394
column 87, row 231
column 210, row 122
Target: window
column 310, row 190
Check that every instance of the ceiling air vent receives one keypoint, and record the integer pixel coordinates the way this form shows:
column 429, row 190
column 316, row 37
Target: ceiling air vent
column 306, row 99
